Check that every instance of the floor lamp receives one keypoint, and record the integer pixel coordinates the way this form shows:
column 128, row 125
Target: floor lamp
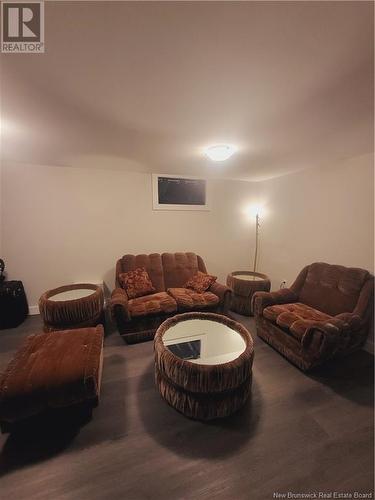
column 245, row 283
column 257, row 225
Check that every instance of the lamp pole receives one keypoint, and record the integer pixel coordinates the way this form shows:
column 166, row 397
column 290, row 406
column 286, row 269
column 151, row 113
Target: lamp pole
column 256, row 240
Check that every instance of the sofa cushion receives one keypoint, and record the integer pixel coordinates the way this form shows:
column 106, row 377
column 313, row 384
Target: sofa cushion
column 296, row 317
column 152, row 304
column 137, row 283
column 200, row 282
column 188, row 299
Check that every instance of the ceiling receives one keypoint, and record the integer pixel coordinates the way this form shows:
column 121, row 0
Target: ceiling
column 146, row 86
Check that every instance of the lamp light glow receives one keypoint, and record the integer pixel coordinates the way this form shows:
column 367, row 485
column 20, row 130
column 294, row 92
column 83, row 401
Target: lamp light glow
column 255, row 210
column 220, row 152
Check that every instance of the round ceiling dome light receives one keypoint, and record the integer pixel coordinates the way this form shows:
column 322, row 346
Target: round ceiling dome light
column 220, row 152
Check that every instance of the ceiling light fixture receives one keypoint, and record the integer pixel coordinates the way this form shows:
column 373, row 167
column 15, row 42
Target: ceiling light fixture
column 220, row 152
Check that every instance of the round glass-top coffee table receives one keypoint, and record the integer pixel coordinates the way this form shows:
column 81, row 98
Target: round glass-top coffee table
column 203, row 364
column 72, row 306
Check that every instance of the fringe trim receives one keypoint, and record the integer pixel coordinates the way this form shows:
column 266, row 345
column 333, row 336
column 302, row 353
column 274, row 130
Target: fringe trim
column 246, row 288
column 81, row 312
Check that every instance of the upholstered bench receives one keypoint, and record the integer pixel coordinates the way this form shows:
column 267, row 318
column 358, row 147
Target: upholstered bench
column 52, row 371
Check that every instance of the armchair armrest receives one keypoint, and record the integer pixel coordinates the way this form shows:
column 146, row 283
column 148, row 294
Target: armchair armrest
column 119, row 304
column 262, row 300
column 224, row 294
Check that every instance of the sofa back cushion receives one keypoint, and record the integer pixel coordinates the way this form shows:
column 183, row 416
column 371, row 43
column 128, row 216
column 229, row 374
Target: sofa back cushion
column 332, row 289
column 180, row 267
column 152, row 263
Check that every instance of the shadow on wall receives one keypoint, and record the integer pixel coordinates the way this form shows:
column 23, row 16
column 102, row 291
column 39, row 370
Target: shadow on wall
column 109, row 282
column 214, row 440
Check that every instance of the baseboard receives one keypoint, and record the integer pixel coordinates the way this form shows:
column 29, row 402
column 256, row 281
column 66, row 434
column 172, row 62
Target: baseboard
column 33, row 310
column 369, row 347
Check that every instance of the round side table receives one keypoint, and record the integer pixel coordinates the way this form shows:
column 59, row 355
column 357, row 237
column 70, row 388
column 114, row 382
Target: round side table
column 72, row 306
column 243, row 285
column 203, row 364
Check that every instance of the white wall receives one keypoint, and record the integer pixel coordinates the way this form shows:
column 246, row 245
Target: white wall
column 1, row 206
column 64, row 225
column 324, row 214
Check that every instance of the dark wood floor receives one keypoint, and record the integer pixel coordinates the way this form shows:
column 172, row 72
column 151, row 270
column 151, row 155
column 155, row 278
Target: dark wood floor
column 298, row 433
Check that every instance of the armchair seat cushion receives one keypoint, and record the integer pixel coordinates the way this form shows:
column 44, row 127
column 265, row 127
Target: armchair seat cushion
column 155, row 303
column 188, row 299
column 295, row 317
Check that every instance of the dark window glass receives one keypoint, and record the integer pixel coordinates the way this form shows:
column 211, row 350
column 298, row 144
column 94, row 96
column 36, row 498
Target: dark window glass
column 187, row 350
column 178, row 191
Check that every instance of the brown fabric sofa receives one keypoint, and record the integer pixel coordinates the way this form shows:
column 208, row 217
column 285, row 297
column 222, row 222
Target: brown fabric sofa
column 327, row 312
column 138, row 319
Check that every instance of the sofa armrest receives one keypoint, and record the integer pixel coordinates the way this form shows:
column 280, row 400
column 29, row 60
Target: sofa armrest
column 261, row 300
column 119, row 304
column 348, row 321
column 224, row 294
column 322, row 340
column 365, row 305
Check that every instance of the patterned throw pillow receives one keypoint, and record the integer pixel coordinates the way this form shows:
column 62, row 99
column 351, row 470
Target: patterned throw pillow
column 136, row 283
column 200, row 282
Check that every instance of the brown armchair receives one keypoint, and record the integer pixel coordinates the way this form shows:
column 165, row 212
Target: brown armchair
column 138, row 319
column 327, row 312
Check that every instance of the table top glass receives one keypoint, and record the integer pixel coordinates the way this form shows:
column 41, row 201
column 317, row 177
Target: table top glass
column 248, row 277
column 72, row 294
column 205, row 342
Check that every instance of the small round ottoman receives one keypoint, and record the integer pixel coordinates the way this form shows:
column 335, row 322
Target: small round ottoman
column 203, row 364
column 72, row 306
column 243, row 285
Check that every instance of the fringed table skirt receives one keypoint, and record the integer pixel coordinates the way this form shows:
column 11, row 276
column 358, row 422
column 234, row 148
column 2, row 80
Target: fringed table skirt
column 72, row 306
column 243, row 285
